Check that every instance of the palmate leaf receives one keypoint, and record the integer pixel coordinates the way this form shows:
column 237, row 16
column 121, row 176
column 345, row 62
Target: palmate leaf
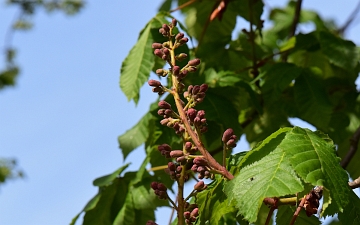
column 313, row 157
column 136, row 67
column 265, row 172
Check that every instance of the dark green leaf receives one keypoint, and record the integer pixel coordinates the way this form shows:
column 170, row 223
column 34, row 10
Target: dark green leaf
column 351, row 214
column 340, row 52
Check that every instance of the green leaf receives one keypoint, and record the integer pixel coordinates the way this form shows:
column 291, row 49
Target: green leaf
column 340, row 52
column 266, row 172
column 351, row 213
column 136, row 136
column 285, row 214
column 136, row 68
column 315, row 161
column 213, row 204
column 250, row 10
column 312, row 100
column 108, row 179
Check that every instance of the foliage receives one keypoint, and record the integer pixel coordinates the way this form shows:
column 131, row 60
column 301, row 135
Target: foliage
column 254, row 83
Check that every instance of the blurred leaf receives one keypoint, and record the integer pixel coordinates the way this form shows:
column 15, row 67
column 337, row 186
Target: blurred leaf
column 312, row 100
column 340, row 52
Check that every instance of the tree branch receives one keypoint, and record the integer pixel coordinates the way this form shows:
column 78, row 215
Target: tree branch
column 354, row 141
column 351, row 19
column 355, row 184
column 294, row 24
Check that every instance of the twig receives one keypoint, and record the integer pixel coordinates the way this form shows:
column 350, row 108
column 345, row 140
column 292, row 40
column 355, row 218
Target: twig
column 269, row 215
column 351, row 19
column 294, row 24
column 354, row 141
column 183, row 5
column 298, row 209
column 355, row 183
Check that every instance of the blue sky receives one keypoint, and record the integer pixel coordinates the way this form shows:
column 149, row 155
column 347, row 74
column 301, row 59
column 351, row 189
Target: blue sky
column 62, row 119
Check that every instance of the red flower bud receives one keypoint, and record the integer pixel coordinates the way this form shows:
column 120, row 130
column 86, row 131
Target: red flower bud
column 171, row 166
column 176, row 70
column 191, row 113
column 156, row 45
column 154, row 83
column 195, row 90
column 176, row 153
column 154, row 185
column 231, row 143
column 194, row 62
column 161, row 187
column 179, row 36
column 164, row 105
column 174, row 22
column 203, row 87
column 158, row 53
column 199, row 186
column 227, row 135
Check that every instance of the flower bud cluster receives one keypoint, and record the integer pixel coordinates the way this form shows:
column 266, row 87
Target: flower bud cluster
column 157, row 86
column 190, row 148
column 201, row 166
column 165, row 150
column 197, row 93
column 197, row 118
column 229, row 138
column 159, row 190
column 190, row 216
column 166, row 111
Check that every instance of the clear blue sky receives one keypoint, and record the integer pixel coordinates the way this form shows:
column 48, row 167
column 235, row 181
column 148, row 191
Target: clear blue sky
column 62, row 119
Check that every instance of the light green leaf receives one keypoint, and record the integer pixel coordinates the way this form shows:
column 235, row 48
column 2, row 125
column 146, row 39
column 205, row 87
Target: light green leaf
column 136, row 136
column 108, row 179
column 265, row 173
column 315, row 161
column 136, row 68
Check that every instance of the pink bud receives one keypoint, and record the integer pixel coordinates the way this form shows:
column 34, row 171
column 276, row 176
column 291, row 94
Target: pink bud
column 161, row 187
column 164, row 105
column 194, row 62
column 203, row 87
column 199, row 186
column 227, row 135
column 157, row 45
column 154, row 83
column 195, row 90
column 176, row 153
